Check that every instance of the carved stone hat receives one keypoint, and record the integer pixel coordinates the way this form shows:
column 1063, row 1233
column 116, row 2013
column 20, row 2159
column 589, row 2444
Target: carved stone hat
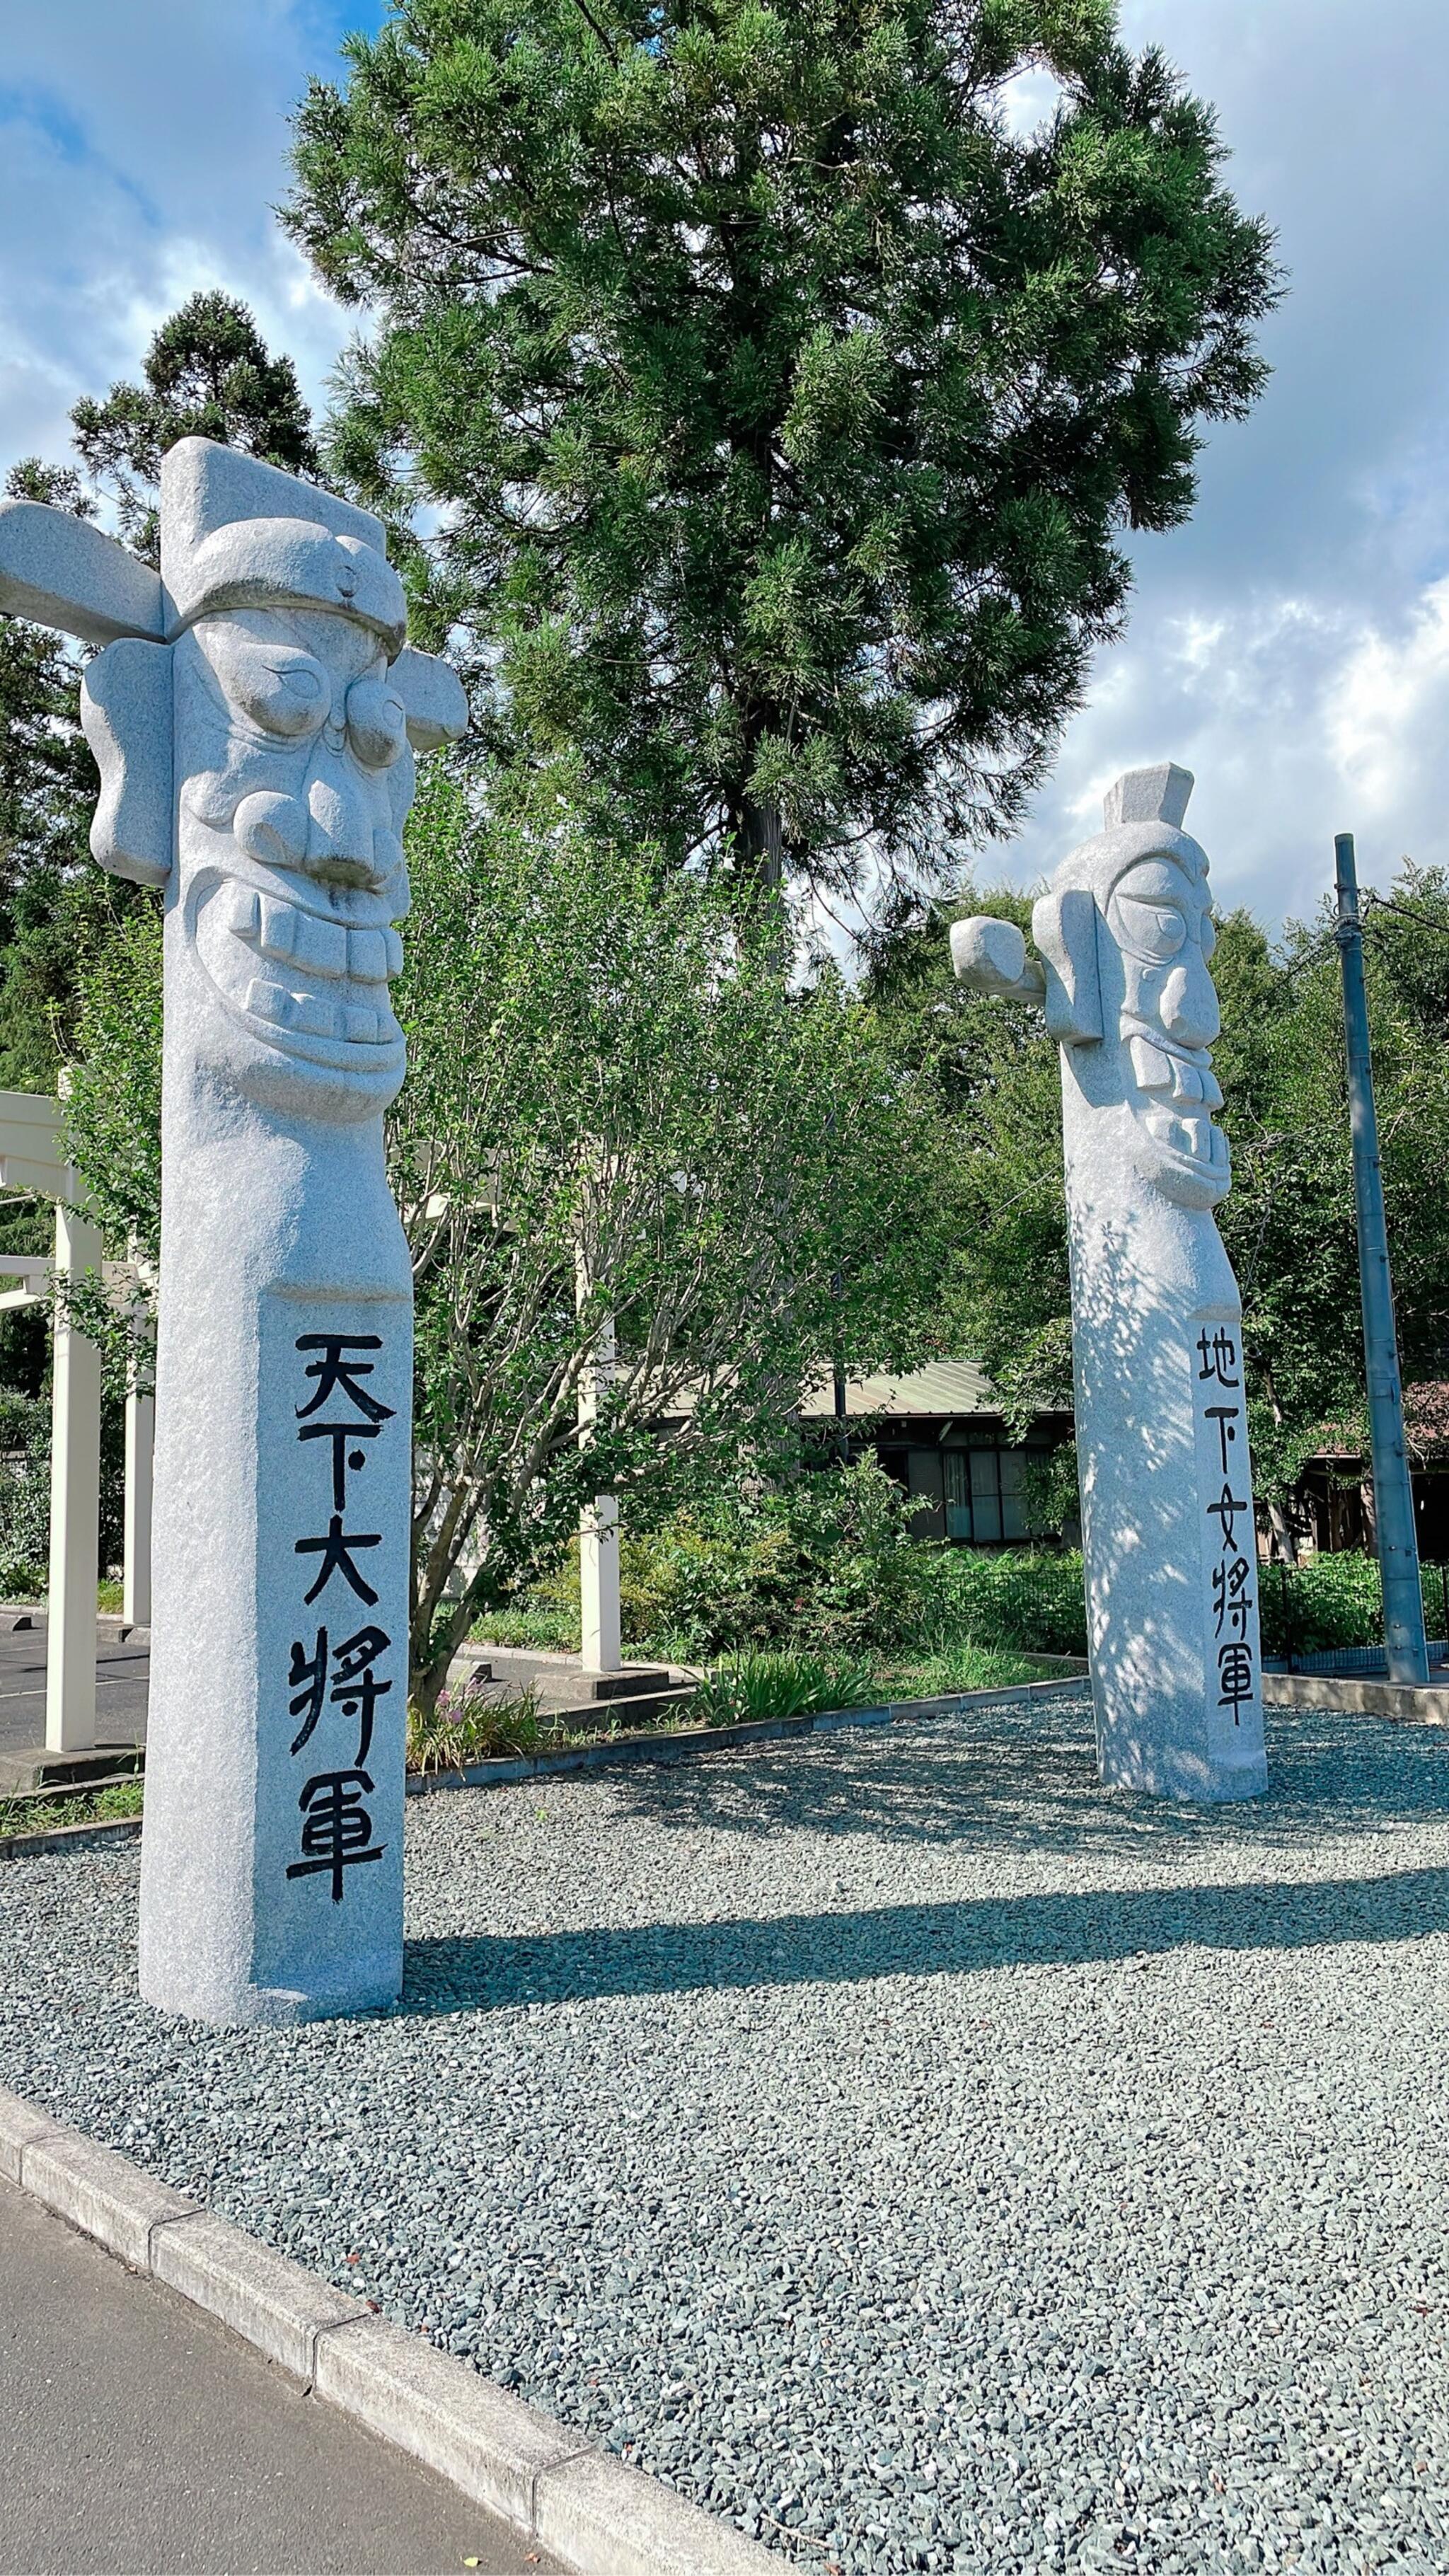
column 239, row 534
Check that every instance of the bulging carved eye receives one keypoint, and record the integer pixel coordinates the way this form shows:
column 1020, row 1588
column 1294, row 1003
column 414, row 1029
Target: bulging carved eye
column 376, row 723
column 1155, row 930
column 288, row 696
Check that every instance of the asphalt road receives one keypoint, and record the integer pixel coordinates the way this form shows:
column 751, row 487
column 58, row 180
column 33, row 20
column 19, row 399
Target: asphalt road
column 139, row 2438
column 122, row 1664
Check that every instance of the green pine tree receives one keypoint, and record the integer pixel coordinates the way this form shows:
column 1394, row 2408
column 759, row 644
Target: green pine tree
column 777, row 402
column 207, row 374
column 207, row 371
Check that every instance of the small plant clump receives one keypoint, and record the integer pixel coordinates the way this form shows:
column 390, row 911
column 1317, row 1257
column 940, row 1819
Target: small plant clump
column 751, row 1686
column 465, row 1727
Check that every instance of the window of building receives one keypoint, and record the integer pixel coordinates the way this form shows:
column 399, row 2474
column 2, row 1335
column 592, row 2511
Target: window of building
column 972, row 1492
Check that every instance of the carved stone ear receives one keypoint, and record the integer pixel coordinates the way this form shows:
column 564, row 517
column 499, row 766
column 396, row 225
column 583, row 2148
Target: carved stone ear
column 126, row 717
column 434, row 700
column 1064, row 928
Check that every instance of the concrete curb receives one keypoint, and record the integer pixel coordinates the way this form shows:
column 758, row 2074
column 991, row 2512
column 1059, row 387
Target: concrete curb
column 1351, row 1695
column 69, row 1837
column 597, row 2515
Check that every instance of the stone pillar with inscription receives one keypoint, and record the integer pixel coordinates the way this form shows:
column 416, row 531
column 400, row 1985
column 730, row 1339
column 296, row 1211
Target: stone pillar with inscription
column 1123, row 937
column 254, row 716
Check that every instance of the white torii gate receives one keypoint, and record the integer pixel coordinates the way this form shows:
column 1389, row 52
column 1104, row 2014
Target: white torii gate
column 30, row 1164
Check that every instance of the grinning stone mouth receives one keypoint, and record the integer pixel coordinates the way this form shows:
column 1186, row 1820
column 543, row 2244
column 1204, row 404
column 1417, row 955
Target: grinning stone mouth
column 1181, row 1092
column 299, row 977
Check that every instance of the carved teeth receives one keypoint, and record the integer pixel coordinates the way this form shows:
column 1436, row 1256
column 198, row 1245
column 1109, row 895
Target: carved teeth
column 1221, row 1155
column 350, row 966
column 311, row 1016
column 1212, row 1090
column 367, row 956
column 279, row 922
column 394, row 949
column 1189, row 1081
column 268, row 1002
column 319, row 946
column 1152, row 1068
column 1181, row 1135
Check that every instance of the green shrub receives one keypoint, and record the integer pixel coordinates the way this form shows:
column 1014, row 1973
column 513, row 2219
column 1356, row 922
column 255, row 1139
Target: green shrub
column 25, row 1492
column 1031, row 1598
column 537, row 1626
column 24, row 1496
column 825, row 1565
column 1332, row 1601
column 765, row 1685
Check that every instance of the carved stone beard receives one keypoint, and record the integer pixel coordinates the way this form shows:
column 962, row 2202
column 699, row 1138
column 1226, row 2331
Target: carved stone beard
column 296, row 778
column 1150, row 1082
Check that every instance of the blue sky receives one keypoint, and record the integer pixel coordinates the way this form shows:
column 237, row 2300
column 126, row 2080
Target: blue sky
column 1291, row 646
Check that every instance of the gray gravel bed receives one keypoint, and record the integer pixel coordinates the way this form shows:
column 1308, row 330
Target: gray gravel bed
column 915, row 2154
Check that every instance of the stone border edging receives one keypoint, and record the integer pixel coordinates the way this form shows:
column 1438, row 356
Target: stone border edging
column 679, row 1744
column 1359, row 1695
column 67, row 1837
column 595, row 2513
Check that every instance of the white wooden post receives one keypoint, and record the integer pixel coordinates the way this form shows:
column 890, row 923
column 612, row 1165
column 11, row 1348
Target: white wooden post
column 600, row 1641
column 600, row 1635
column 136, row 1564
column 75, row 1495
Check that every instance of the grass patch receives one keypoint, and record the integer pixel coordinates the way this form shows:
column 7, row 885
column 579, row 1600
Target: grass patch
column 541, row 1630
column 31, row 1814
column 953, row 1668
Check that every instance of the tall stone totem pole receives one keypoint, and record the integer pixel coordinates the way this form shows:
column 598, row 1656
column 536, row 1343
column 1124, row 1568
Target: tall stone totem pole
column 1123, row 939
column 254, row 715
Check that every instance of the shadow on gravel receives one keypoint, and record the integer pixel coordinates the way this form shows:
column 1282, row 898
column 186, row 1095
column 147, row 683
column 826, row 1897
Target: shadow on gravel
column 1055, row 1930
column 1012, row 1779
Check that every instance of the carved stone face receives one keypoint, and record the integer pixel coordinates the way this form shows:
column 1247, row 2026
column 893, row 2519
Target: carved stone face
column 295, row 778
column 1155, row 938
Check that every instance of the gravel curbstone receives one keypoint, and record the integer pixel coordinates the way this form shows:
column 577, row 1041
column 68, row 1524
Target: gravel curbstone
column 596, row 2512
column 492, row 2445
column 603, row 2518
column 102, row 2193
column 263, row 2296
column 22, row 2126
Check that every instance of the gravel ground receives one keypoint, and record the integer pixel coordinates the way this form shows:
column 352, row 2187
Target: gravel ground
column 912, row 2152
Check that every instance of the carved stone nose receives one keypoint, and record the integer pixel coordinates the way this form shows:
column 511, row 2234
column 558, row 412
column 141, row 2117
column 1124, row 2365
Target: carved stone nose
column 340, row 826
column 1190, row 1006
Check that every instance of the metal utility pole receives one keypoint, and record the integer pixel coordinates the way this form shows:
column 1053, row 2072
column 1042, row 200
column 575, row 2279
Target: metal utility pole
column 1398, row 1547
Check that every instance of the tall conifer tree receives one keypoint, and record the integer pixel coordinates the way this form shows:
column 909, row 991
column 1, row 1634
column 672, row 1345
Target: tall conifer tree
column 779, row 398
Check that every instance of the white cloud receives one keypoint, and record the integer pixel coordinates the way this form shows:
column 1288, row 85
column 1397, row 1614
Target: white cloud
column 141, row 153
column 1388, row 716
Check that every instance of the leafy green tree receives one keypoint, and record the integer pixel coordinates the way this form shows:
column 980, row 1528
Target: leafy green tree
column 596, row 1054
column 207, row 374
column 777, row 401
